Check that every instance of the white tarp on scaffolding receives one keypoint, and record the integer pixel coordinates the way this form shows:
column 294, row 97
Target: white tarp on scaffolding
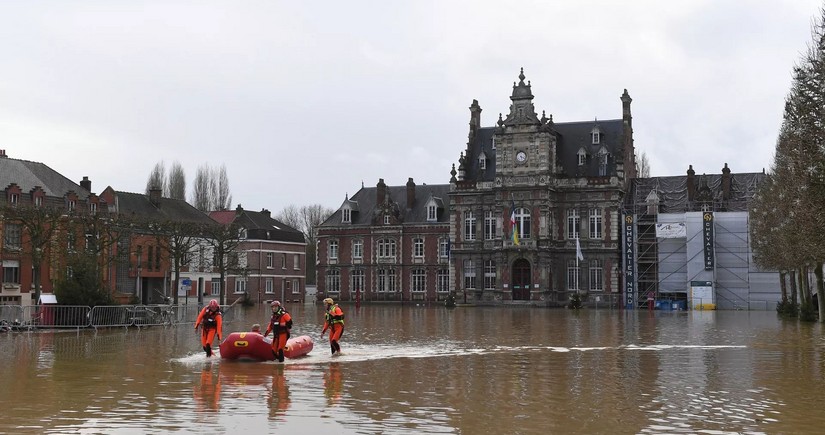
column 674, row 230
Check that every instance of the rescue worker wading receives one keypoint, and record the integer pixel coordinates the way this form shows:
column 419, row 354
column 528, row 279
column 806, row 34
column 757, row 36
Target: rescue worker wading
column 279, row 325
column 334, row 321
column 211, row 323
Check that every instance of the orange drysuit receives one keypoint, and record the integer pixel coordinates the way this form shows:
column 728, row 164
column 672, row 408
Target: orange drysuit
column 211, row 323
column 334, row 321
column 279, row 325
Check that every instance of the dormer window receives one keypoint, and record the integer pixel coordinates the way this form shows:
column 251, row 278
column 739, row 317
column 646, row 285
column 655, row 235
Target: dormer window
column 432, row 213
column 482, row 161
column 13, row 197
column 71, row 205
column 582, row 156
column 386, row 219
column 603, row 162
column 346, row 215
column 92, row 208
column 38, row 201
column 595, row 134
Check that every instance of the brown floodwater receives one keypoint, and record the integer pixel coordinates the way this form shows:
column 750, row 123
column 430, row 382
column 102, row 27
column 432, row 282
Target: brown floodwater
column 427, row 369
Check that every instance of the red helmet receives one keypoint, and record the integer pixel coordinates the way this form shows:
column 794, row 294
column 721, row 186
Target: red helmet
column 275, row 304
column 213, row 304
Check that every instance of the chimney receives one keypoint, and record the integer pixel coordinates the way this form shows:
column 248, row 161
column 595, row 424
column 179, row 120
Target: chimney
column 266, row 213
column 3, row 154
column 726, row 182
column 381, row 192
column 154, row 196
column 691, row 183
column 86, row 183
column 410, row 193
column 475, row 115
column 238, row 210
column 626, row 100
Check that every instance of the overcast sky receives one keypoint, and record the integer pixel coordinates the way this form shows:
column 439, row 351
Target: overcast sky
column 304, row 101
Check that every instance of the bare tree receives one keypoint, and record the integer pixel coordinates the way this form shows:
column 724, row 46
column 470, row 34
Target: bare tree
column 157, row 179
column 177, row 239
column 223, row 199
column 642, row 166
column 201, row 191
column 177, row 182
column 39, row 226
column 224, row 240
column 306, row 219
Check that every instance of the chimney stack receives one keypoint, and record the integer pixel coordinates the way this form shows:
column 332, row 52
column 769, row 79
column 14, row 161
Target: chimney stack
column 86, row 183
column 410, row 193
column 238, row 210
column 691, row 183
column 3, row 154
column 266, row 213
column 381, row 192
column 154, row 196
column 726, row 182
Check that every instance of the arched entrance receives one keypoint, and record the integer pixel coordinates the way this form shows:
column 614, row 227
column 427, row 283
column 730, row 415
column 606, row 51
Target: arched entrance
column 521, row 280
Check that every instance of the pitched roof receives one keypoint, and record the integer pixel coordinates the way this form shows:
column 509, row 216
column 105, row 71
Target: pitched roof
column 170, row 209
column 28, row 175
column 255, row 221
column 570, row 137
column 672, row 192
column 366, row 198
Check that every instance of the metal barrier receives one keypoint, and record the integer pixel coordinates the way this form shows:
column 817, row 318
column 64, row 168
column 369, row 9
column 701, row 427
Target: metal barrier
column 110, row 316
column 102, row 316
column 56, row 316
column 11, row 313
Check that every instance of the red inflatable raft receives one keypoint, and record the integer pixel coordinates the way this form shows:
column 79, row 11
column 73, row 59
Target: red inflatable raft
column 252, row 346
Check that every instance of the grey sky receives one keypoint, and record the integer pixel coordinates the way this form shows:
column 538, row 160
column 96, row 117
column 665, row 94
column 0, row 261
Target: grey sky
column 305, row 100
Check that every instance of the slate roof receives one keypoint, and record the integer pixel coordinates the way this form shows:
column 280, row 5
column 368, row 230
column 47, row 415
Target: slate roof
column 27, row 175
column 366, row 198
column 673, row 194
column 571, row 136
column 258, row 222
column 169, row 209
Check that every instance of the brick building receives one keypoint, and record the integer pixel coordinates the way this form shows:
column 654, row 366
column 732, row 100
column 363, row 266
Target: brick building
column 387, row 243
column 271, row 258
column 35, row 187
column 559, row 182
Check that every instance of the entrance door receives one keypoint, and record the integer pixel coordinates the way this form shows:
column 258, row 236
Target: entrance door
column 521, row 280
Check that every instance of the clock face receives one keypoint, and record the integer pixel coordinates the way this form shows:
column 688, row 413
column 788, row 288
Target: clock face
column 521, row 157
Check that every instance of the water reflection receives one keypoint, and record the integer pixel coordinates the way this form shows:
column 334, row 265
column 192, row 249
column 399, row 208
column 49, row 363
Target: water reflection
column 333, row 384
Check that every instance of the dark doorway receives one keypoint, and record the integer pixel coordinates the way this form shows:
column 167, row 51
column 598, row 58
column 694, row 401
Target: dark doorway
column 521, row 280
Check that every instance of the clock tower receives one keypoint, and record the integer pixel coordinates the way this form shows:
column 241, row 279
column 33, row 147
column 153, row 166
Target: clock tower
column 524, row 143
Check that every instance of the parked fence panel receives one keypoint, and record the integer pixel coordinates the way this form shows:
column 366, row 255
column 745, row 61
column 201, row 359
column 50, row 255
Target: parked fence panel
column 110, row 316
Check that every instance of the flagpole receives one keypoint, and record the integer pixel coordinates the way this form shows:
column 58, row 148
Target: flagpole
column 578, row 271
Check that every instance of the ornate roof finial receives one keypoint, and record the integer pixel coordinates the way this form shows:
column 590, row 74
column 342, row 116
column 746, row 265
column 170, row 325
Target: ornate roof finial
column 543, row 118
column 452, row 174
column 500, row 121
column 521, row 76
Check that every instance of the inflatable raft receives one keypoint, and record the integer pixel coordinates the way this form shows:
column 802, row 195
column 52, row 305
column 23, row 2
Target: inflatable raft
column 251, row 346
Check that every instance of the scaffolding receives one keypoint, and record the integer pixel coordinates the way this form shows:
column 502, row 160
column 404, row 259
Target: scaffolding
column 669, row 268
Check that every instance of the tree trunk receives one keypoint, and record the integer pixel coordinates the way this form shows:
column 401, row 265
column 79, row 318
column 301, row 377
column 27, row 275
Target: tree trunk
column 805, row 285
column 177, row 281
column 783, row 287
column 793, row 287
column 38, row 267
column 820, row 291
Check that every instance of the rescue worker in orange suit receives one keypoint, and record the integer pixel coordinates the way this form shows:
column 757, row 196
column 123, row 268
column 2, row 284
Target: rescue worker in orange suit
column 211, row 323
column 334, row 321
column 279, row 325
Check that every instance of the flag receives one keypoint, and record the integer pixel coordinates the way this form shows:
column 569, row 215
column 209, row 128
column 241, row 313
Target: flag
column 579, row 255
column 513, row 226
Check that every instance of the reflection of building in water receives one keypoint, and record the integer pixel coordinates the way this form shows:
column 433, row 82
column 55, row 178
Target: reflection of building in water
column 279, row 395
column 207, row 393
column 333, row 384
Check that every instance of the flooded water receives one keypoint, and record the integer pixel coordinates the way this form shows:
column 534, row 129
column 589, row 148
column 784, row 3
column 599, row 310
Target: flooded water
column 416, row 369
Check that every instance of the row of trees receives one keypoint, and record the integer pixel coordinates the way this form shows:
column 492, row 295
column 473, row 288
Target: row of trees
column 210, row 189
column 788, row 212
column 79, row 249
